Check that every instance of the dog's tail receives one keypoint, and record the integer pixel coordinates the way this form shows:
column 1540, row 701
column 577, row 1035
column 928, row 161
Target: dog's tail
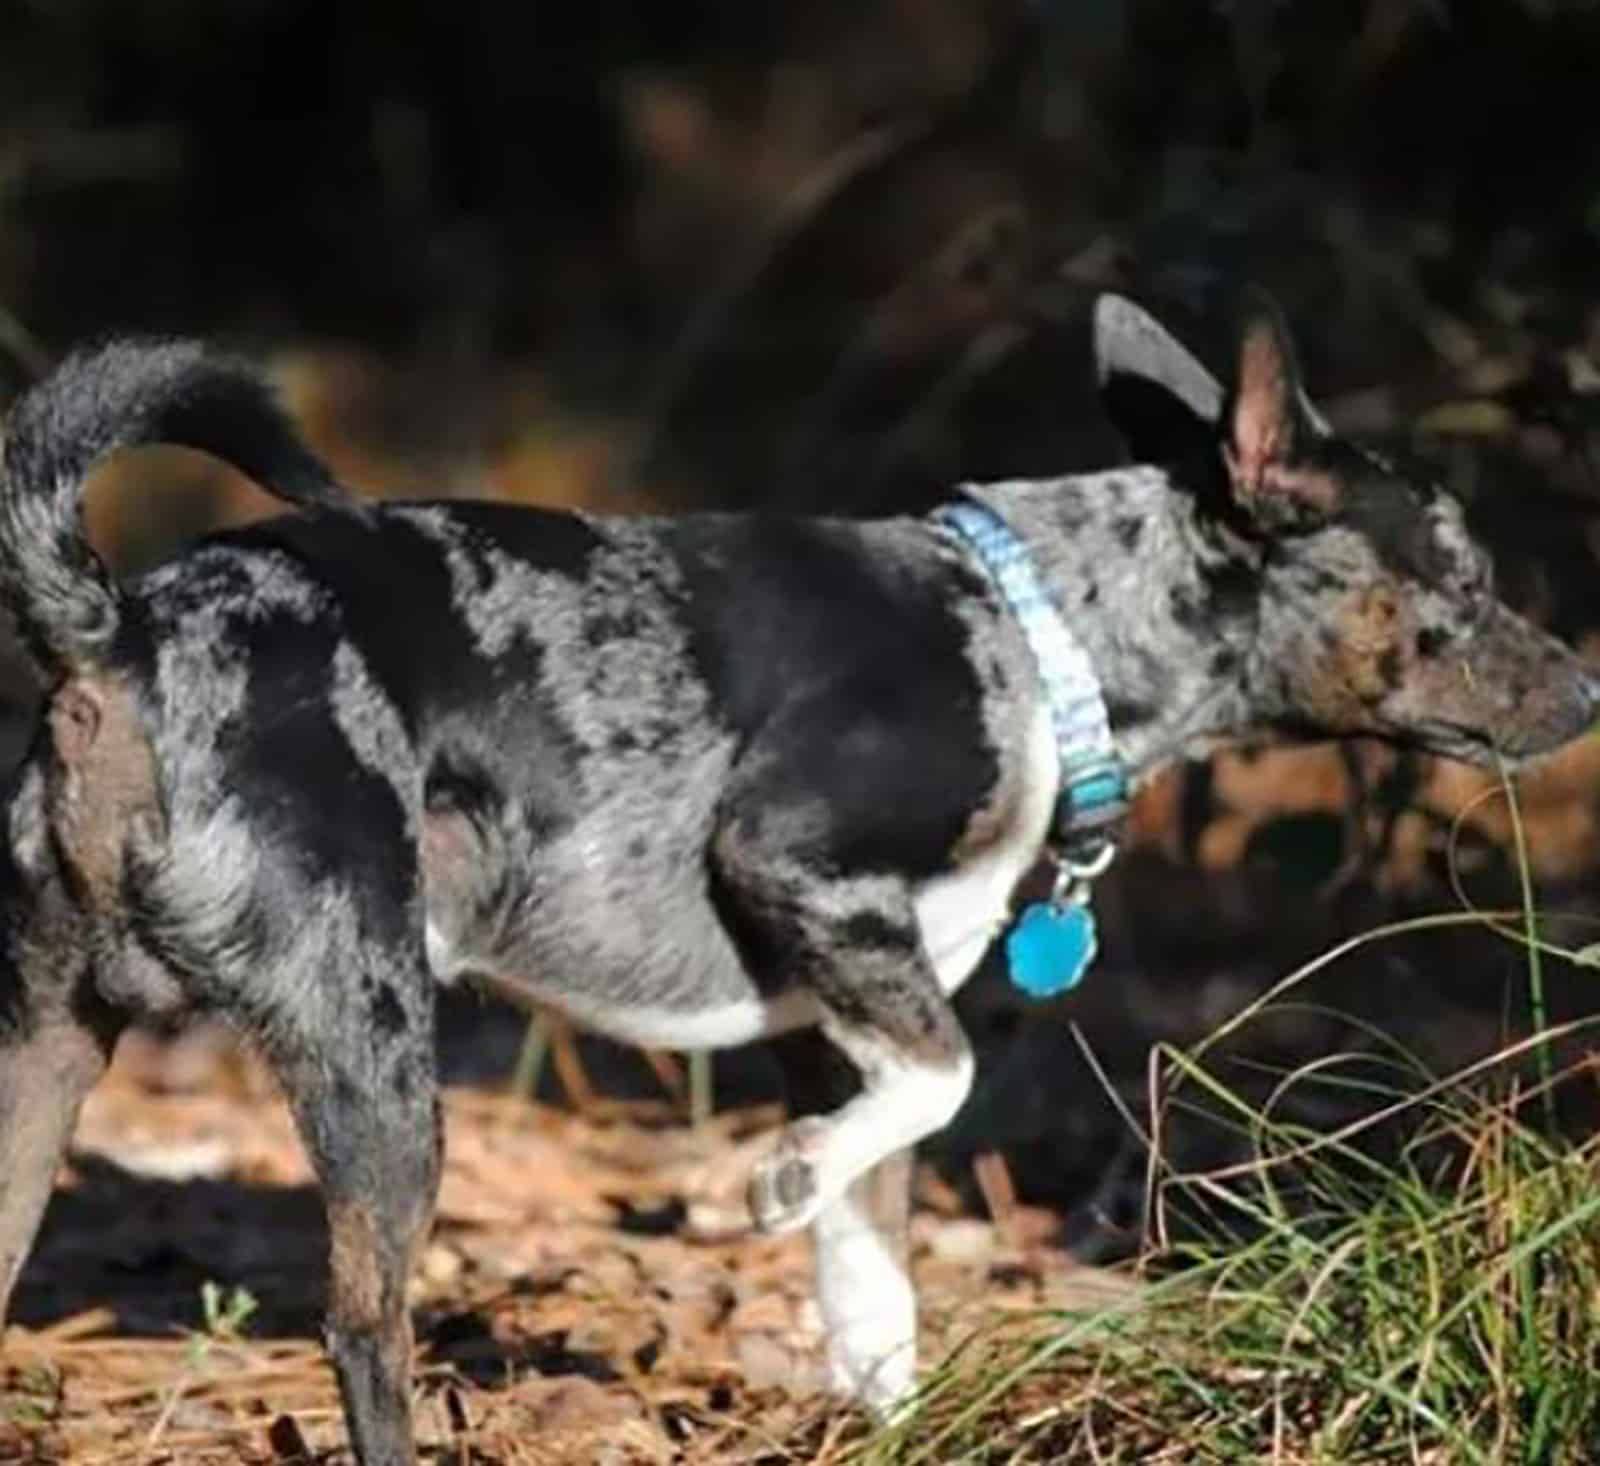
column 66, row 605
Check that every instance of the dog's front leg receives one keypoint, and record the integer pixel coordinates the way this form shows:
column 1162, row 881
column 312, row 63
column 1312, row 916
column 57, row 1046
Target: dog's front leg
column 916, row 1069
column 861, row 1245
column 848, row 1174
column 854, row 943
column 863, row 1267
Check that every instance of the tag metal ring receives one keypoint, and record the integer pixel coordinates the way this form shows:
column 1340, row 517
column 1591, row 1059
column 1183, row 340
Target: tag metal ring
column 1095, row 866
column 1074, row 878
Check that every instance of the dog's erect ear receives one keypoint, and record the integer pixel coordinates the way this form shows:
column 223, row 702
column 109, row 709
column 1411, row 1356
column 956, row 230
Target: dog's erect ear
column 1157, row 395
column 1268, row 425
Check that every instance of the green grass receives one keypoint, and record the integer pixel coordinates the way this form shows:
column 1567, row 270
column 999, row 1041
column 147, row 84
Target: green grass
column 1440, row 1306
column 1315, row 1303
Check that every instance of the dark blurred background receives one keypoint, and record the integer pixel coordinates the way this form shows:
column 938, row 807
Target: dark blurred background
column 837, row 257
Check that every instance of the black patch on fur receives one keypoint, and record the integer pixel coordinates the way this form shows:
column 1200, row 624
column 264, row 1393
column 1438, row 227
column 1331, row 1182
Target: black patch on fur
column 602, row 628
column 388, row 1016
column 1432, row 640
column 650, row 734
column 394, row 591
column 1224, row 662
column 1188, row 609
column 870, row 931
column 765, row 951
column 457, row 784
column 315, row 811
column 849, row 669
column 1232, row 590
column 1389, row 510
column 1227, row 592
column 849, row 1004
column 1124, row 713
column 325, row 814
column 1072, row 511
column 393, row 586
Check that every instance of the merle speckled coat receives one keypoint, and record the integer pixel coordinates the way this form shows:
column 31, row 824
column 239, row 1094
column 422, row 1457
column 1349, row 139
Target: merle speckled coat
column 693, row 780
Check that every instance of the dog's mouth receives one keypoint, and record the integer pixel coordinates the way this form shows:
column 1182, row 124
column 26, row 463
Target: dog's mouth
column 1472, row 744
column 1462, row 741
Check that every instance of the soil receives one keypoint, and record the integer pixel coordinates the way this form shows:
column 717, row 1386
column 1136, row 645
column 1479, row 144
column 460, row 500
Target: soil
column 591, row 1292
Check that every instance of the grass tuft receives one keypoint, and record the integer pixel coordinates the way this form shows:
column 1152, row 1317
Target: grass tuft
column 1323, row 1307
column 1429, row 1299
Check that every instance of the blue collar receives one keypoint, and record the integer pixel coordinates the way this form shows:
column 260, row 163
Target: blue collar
column 1094, row 781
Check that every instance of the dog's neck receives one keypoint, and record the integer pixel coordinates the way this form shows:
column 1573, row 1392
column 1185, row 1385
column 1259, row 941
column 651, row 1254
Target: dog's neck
column 1162, row 602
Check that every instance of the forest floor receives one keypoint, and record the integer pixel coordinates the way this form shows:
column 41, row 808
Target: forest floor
column 591, row 1292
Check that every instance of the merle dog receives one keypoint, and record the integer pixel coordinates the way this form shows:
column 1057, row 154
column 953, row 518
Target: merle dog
column 693, row 780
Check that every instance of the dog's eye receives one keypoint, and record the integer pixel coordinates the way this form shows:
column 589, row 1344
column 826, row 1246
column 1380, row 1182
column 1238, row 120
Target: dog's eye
column 1480, row 598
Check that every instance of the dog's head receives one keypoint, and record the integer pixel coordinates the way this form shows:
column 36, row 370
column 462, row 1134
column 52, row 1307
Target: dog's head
column 1376, row 610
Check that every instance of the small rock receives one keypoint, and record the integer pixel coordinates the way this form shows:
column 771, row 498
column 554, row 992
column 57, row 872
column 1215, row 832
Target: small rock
column 440, row 1264
column 573, row 1403
column 712, row 1221
column 765, row 1360
column 966, row 1240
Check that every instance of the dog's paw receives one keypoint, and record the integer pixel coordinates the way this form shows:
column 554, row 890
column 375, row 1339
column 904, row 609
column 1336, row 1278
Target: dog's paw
column 888, row 1393
column 785, row 1190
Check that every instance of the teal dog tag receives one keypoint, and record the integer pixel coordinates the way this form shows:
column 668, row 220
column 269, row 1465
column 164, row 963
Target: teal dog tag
column 1050, row 948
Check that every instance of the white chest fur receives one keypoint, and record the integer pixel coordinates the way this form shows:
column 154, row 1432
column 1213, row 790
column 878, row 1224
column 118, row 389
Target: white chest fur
column 960, row 912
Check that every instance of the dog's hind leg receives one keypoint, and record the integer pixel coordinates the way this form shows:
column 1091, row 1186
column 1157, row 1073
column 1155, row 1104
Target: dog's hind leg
column 47, row 1066
column 360, row 1079
column 861, row 1247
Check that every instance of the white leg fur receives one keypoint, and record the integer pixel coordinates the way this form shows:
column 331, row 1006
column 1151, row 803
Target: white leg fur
column 899, row 1103
column 816, row 1160
column 869, row 1310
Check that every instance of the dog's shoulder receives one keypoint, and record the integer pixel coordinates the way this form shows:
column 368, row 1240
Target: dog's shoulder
column 779, row 608
column 853, row 655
